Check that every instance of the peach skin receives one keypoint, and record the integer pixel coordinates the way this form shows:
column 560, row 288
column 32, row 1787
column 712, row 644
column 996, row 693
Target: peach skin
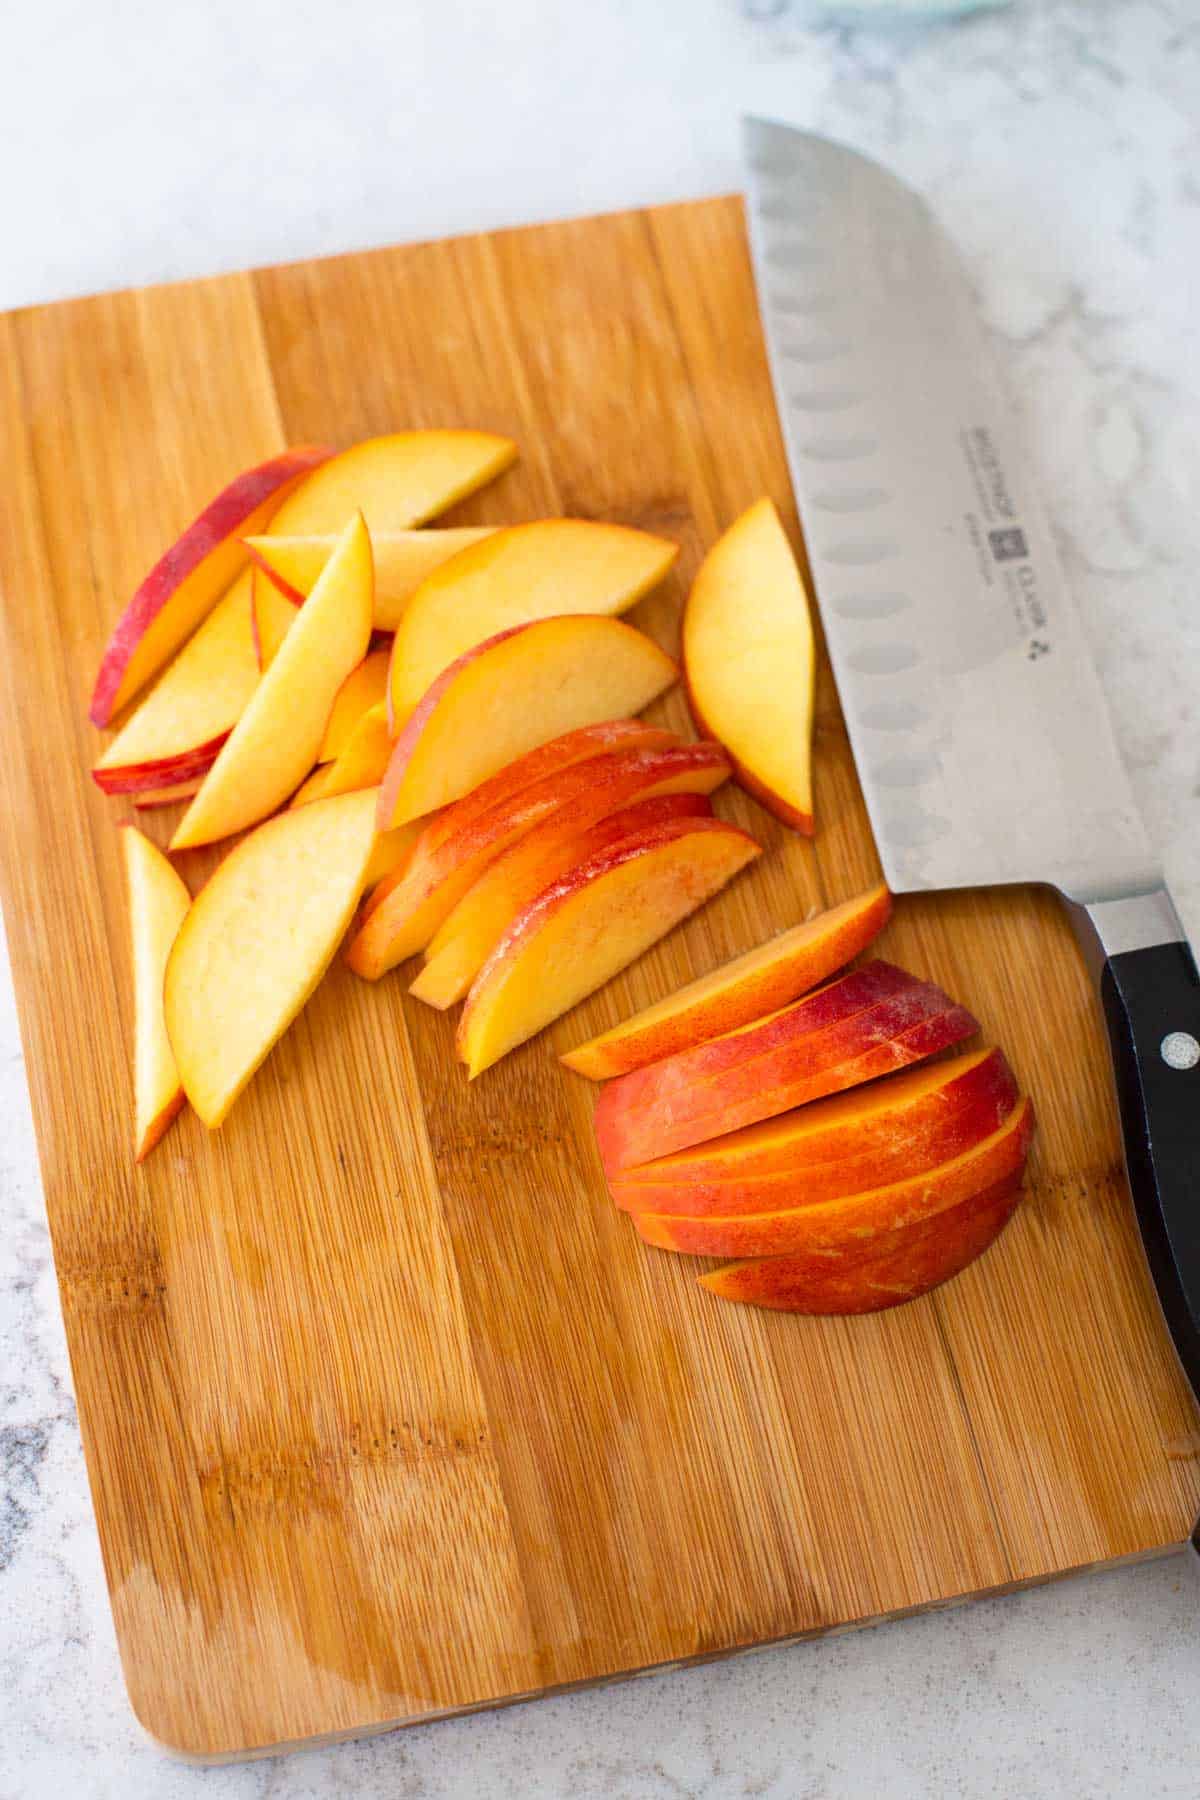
column 868, row 1135
column 747, row 988
column 901, row 1267
column 873, row 1021
column 840, row 1227
column 591, row 924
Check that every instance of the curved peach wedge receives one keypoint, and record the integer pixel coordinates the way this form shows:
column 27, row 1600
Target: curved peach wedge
column 512, row 693
column 507, row 886
column 271, row 617
column 179, row 727
column 158, row 905
column 840, row 1228
column 759, row 982
column 395, row 482
column 900, row 1266
column 749, row 662
column 402, row 561
column 361, row 763
column 187, row 582
column 545, row 569
column 440, row 874
column 259, row 936
column 899, row 1126
column 275, row 742
column 870, row 1022
column 590, row 925
column 364, row 687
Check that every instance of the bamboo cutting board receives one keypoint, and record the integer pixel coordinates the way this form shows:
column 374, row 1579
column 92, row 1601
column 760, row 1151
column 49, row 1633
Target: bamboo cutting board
column 387, row 1412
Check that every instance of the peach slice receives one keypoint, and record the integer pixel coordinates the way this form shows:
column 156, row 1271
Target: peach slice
column 360, row 765
column 512, row 693
column 271, row 618
column 749, row 662
column 550, row 758
column 759, row 982
column 179, row 727
column 590, row 925
column 392, row 851
column 870, row 1022
column 275, row 742
column 841, row 1227
column 394, row 482
column 445, row 864
column 507, row 886
column 158, row 903
column 187, row 582
column 167, row 796
column 900, row 1265
column 260, row 935
column 402, row 561
column 363, row 688
column 889, row 1129
column 546, row 569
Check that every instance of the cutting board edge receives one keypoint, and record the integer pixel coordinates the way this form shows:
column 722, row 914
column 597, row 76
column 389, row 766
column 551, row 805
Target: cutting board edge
column 673, row 1665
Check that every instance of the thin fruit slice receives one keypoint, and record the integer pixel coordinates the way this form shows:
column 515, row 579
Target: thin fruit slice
column 542, row 570
column 513, row 881
column 402, row 561
column 259, row 937
column 187, row 582
column 547, row 759
column 394, row 482
column 453, row 822
column 592, row 924
column 867, row 1136
column 275, row 742
column 840, row 1228
column 759, row 982
column 392, row 851
column 361, row 764
column 158, row 903
column 271, row 618
column 362, row 689
column 870, row 1022
column 167, row 796
column 899, row 1267
column 437, row 877
column 507, row 696
column 179, row 727
column 749, row 662
column 551, row 822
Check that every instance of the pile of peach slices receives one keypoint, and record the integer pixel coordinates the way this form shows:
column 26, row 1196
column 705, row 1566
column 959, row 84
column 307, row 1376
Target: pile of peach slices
column 430, row 738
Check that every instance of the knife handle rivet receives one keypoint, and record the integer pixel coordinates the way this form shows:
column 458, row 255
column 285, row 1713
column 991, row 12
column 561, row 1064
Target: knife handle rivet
column 1180, row 1050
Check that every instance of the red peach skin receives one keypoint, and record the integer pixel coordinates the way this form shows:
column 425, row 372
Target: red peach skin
column 745, row 989
column 869, row 1135
column 873, row 1021
column 914, row 1260
column 839, row 1228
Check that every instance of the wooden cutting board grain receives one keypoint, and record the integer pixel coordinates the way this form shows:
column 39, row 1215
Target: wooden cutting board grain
column 387, row 1412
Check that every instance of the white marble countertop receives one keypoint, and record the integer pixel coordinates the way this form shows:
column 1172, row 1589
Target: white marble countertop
column 1060, row 141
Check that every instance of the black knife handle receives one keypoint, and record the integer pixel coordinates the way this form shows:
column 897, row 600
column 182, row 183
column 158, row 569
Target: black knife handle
column 1151, row 998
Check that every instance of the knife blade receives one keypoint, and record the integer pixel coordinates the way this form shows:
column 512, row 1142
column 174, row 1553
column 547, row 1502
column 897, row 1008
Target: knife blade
column 979, row 727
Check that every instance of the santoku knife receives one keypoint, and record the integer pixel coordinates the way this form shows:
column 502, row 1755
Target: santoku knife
column 979, row 727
